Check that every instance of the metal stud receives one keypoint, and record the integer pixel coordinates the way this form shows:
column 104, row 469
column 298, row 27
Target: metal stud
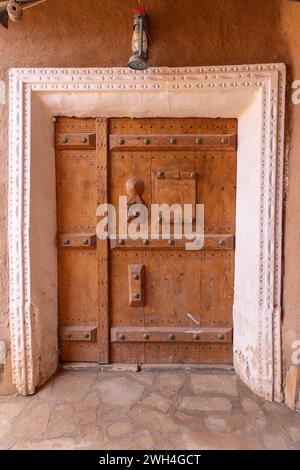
column 136, row 277
column 65, row 140
column 199, row 140
column 171, row 242
column 221, row 337
column 222, row 243
column 86, row 335
column 173, row 140
column 121, row 337
column 85, row 242
column 146, row 242
column 172, row 337
column 121, row 242
column 136, row 295
column 160, row 174
column 66, row 242
column 224, row 140
column 196, row 337
column 121, row 141
column 193, row 175
column 146, row 141
column 146, row 337
column 84, row 140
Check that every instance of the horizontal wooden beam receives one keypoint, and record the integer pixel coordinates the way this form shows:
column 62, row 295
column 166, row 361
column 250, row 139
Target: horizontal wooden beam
column 78, row 333
column 169, row 335
column 173, row 141
column 77, row 240
column 76, row 140
column 211, row 242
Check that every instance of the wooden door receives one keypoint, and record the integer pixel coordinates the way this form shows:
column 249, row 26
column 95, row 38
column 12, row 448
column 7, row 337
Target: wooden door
column 77, row 181
column 145, row 301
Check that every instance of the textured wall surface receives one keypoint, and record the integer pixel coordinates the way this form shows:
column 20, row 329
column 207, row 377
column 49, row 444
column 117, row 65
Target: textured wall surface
column 185, row 32
column 291, row 277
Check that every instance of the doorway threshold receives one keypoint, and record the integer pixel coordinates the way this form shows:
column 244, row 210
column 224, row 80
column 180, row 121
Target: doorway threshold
column 72, row 366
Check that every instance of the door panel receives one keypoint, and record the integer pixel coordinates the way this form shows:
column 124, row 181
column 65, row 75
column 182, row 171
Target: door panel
column 218, row 191
column 136, row 301
column 77, row 255
column 187, row 311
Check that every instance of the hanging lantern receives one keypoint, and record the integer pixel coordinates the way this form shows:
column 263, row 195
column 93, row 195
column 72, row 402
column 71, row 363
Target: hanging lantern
column 139, row 45
column 13, row 10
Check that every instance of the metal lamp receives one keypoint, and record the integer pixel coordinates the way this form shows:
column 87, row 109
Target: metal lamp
column 13, row 10
column 139, row 45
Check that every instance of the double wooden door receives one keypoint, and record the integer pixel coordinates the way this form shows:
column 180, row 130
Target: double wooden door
column 145, row 300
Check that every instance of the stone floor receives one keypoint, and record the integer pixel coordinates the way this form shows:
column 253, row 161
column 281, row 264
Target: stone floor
column 91, row 409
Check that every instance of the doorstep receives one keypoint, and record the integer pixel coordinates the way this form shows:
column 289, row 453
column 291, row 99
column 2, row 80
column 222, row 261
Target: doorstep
column 143, row 367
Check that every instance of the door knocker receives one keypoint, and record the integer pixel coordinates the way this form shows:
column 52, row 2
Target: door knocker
column 134, row 190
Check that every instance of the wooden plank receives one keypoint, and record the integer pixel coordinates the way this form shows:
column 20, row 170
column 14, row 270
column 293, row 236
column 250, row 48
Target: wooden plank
column 82, row 240
column 184, row 353
column 216, row 299
column 136, row 278
column 77, row 279
column 71, row 124
column 171, row 141
column 173, row 334
column 79, row 140
column 183, row 289
column 211, row 242
column 77, row 262
column 218, row 190
column 78, row 351
column 77, row 298
column 174, row 289
column 102, row 245
column 78, row 333
column 174, row 125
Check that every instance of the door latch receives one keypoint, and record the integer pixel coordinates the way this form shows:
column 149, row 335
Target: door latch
column 136, row 277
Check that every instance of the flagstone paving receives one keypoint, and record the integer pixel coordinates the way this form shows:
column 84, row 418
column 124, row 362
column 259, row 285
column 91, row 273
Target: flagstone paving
column 191, row 410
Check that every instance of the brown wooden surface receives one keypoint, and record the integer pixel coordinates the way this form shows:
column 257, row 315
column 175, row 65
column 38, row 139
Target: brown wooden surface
column 186, row 294
column 102, row 245
column 136, row 279
column 77, row 262
column 183, row 289
column 76, row 140
column 211, row 242
column 174, row 334
column 78, row 333
column 169, row 141
column 82, row 240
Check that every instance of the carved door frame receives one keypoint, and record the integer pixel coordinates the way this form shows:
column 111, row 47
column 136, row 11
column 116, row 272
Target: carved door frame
column 255, row 94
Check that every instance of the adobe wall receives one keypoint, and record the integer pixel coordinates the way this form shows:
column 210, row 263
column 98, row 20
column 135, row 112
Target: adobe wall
column 184, row 33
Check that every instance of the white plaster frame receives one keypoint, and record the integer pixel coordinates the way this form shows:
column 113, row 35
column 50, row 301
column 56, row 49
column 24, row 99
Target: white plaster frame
column 255, row 94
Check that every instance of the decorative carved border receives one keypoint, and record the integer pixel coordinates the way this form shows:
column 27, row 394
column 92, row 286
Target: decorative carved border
column 269, row 78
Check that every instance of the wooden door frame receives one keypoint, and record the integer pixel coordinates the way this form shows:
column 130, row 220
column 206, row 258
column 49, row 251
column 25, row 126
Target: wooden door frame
column 102, row 245
column 255, row 94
